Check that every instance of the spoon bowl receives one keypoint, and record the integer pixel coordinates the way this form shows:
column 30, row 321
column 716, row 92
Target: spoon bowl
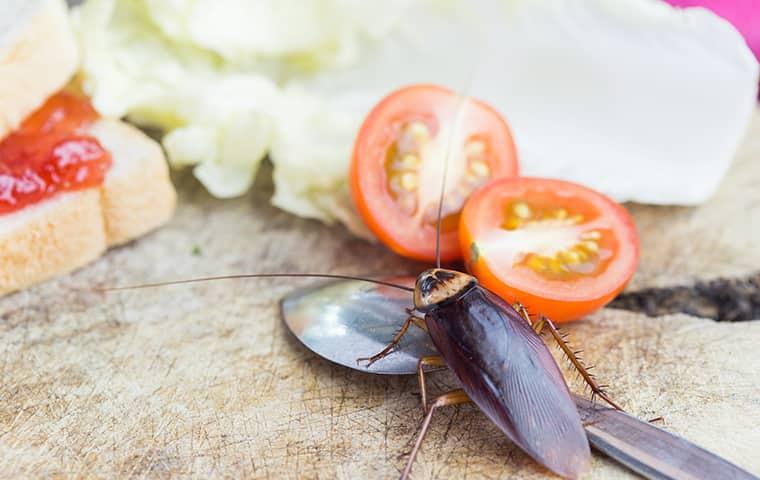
column 346, row 319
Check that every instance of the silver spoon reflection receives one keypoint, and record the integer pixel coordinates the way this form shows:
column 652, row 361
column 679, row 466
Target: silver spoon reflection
column 344, row 320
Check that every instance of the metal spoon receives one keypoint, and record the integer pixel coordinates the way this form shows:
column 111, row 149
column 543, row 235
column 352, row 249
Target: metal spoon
column 346, row 319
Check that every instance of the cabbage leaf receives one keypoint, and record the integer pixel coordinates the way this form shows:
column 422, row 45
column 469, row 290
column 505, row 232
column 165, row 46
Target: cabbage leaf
column 637, row 99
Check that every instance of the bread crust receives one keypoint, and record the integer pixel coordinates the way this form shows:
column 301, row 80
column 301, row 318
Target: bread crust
column 137, row 195
column 69, row 230
column 51, row 238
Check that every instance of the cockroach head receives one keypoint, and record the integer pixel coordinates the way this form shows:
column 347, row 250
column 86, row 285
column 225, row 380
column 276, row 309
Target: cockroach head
column 438, row 285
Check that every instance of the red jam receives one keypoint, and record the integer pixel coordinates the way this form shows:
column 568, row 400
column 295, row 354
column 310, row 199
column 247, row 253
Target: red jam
column 49, row 153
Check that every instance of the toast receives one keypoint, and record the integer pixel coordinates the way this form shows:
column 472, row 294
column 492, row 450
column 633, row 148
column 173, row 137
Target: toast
column 69, row 230
column 38, row 56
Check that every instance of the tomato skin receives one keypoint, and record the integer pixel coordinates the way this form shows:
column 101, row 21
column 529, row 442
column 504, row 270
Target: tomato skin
column 368, row 179
column 564, row 303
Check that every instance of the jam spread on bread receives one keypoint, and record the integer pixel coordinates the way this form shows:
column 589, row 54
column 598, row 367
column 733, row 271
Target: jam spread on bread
column 50, row 153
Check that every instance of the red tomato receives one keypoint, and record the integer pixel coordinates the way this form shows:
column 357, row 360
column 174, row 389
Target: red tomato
column 560, row 249
column 398, row 163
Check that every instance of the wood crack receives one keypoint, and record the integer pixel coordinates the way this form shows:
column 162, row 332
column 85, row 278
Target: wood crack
column 722, row 299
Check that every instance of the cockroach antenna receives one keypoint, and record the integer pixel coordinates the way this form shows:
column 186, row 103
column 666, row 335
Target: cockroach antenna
column 442, row 194
column 258, row 275
column 461, row 99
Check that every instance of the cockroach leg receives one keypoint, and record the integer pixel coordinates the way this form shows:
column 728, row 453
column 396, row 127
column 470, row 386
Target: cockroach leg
column 537, row 325
column 396, row 339
column 419, row 323
column 432, row 361
column 520, row 308
column 454, row 397
column 596, row 389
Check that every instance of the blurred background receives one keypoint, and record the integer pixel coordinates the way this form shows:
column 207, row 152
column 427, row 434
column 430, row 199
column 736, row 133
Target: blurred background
column 642, row 100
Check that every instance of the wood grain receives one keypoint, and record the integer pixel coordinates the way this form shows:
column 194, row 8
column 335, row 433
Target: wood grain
column 203, row 381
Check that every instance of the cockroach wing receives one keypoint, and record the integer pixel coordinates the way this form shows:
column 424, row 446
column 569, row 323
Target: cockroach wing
column 508, row 371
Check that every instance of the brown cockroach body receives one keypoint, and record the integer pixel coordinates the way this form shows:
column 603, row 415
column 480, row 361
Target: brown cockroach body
column 504, row 368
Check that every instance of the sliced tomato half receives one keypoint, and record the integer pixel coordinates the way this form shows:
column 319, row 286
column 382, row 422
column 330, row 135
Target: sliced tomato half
column 398, row 165
column 559, row 248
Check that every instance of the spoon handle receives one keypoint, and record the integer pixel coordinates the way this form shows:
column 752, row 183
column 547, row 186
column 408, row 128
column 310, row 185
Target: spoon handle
column 650, row 451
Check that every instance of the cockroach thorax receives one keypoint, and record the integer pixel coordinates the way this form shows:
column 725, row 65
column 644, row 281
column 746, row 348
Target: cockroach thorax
column 437, row 285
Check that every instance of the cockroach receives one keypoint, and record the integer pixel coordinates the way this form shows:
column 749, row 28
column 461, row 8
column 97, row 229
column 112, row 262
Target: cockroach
column 504, row 367
column 495, row 351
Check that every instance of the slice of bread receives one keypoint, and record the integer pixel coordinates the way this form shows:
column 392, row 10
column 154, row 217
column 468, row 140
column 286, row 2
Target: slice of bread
column 38, row 56
column 71, row 229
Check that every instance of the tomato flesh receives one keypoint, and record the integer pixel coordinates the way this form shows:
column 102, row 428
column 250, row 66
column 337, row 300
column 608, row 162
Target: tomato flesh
column 561, row 249
column 399, row 159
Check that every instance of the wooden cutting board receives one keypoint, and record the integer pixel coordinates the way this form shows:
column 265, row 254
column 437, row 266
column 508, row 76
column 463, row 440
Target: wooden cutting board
column 200, row 381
